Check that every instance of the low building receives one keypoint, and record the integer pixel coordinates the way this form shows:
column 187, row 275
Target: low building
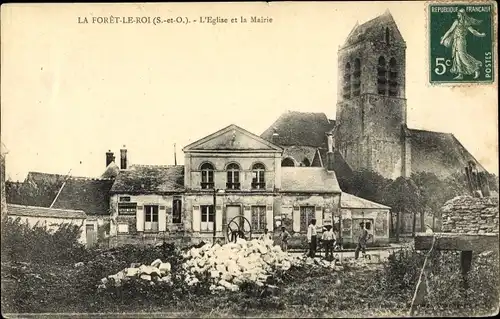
column 228, row 174
column 52, row 218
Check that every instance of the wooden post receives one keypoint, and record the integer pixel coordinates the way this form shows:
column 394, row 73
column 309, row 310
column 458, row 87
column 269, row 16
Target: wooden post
column 398, row 222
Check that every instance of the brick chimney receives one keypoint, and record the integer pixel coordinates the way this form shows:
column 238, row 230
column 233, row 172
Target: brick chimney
column 110, row 158
column 329, row 155
column 274, row 138
column 123, row 158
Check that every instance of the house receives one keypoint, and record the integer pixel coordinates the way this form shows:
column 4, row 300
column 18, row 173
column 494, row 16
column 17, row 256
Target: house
column 370, row 129
column 52, row 218
column 227, row 174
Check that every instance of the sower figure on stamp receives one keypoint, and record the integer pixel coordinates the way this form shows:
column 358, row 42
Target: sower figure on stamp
column 362, row 238
column 312, row 238
column 455, row 37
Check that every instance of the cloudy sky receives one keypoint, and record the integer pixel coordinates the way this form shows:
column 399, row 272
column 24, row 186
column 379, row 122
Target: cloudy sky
column 71, row 91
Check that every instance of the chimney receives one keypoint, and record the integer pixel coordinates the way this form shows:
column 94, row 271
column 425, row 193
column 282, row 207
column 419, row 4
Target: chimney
column 123, row 158
column 110, row 158
column 329, row 155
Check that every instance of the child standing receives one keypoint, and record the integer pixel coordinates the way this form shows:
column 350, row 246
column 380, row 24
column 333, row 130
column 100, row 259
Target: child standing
column 284, row 235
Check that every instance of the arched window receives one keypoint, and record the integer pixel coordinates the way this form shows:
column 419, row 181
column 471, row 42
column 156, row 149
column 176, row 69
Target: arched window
column 306, row 162
column 393, row 78
column 356, row 85
column 287, row 162
column 258, row 178
column 382, row 76
column 233, row 176
column 207, row 176
column 347, row 82
column 387, row 36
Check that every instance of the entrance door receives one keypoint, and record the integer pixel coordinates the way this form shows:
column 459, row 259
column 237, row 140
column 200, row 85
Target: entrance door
column 91, row 235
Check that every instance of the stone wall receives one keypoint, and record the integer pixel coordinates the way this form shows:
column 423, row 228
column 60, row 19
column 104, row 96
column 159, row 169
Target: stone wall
column 466, row 214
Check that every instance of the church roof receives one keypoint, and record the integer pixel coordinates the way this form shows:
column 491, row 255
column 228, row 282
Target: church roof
column 372, row 30
column 147, row 179
column 300, row 128
column 308, row 180
column 438, row 153
column 340, row 166
column 89, row 195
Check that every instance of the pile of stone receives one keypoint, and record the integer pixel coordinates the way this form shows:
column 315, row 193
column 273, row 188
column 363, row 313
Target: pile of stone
column 157, row 272
column 470, row 215
column 233, row 264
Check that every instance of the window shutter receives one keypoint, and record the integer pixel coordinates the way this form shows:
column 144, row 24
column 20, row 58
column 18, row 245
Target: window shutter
column 296, row 219
column 248, row 215
column 319, row 216
column 269, row 218
column 196, row 218
column 140, row 218
column 162, row 219
column 218, row 218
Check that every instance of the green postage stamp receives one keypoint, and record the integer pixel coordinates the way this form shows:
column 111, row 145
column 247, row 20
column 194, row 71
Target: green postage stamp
column 461, row 42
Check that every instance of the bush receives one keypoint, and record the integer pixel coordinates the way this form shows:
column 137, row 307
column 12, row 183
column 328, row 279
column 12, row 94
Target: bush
column 23, row 243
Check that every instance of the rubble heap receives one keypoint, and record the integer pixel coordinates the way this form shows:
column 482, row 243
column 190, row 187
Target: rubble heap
column 158, row 271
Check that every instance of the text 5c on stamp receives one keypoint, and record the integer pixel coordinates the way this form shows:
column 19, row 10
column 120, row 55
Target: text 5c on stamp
column 461, row 43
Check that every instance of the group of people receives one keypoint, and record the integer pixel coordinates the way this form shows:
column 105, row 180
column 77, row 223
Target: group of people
column 328, row 238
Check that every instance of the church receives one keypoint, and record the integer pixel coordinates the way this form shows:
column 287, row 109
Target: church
column 370, row 130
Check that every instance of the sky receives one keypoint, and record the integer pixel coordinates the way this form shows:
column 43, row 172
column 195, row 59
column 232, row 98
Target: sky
column 72, row 91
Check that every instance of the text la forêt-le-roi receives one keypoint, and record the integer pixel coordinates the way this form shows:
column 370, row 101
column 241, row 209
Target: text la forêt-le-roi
column 111, row 19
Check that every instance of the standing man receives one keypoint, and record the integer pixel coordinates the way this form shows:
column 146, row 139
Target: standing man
column 265, row 236
column 362, row 238
column 328, row 239
column 312, row 238
column 284, row 235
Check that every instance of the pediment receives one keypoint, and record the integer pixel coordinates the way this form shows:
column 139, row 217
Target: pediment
column 232, row 138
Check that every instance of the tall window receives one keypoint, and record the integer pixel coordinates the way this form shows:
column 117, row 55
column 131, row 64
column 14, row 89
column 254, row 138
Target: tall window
column 233, row 176
column 347, row 82
column 258, row 173
column 207, row 218
column 356, row 82
column 151, row 218
column 382, row 76
column 393, row 77
column 387, row 36
column 258, row 218
column 287, row 162
column 306, row 214
column 177, row 211
column 207, row 176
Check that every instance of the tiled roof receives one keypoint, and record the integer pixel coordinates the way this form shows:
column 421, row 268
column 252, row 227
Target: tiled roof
column 146, row 179
column 308, row 180
column 300, row 128
column 37, row 177
column 299, row 153
column 351, row 201
column 89, row 195
column 35, row 211
column 438, row 153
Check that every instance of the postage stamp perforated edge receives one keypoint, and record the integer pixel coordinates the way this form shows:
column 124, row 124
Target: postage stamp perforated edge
column 494, row 33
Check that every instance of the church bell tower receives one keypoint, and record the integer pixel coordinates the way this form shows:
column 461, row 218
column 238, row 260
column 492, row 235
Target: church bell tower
column 371, row 128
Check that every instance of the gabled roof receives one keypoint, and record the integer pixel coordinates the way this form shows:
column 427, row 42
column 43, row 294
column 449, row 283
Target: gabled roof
column 300, row 128
column 308, row 180
column 232, row 138
column 90, row 195
column 438, row 153
column 44, row 212
column 150, row 179
column 351, row 201
column 373, row 30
